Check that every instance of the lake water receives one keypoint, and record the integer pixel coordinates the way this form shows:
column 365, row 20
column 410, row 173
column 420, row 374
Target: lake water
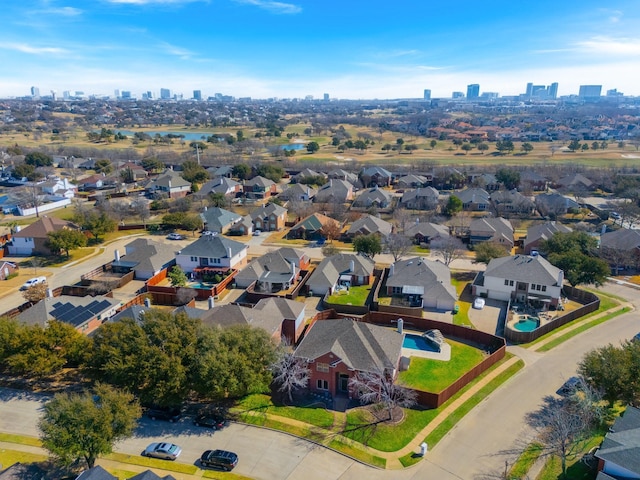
column 187, row 135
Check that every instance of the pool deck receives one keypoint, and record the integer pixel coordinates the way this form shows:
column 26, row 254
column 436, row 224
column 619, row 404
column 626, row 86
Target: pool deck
column 443, row 355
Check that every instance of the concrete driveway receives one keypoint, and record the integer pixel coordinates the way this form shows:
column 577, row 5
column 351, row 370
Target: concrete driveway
column 491, row 317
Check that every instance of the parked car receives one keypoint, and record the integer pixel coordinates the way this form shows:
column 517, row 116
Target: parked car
column 33, row 281
column 164, row 450
column 170, row 414
column 256, row 233
column 569, row 387
column 175, row 236
column 478, row 303
column 214, row 419
column 219, row 459
column 209, row 232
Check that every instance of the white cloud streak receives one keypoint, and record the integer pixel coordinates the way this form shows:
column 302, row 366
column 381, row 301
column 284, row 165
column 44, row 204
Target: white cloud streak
column 610, row 46
column 273, row 7
column 25, row 48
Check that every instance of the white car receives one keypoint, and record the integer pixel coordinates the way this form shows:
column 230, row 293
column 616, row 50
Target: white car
column 33, row 281
column 175, row 236
column 478, row 303
column 256, row 233
column 164, row 450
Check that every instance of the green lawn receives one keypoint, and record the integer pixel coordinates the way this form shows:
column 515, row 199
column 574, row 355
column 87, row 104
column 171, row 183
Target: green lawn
column 315, row 414
column 153, row 463
column 354, row 296
column 435, row 375
column 9, row 457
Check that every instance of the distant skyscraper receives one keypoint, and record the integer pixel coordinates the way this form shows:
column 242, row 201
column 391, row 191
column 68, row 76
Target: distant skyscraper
column 427, row 94
column 126, row 95
column 590, row 91
column 325, row 97
column 529, row 91
column 553, row 91
column 455, row 95
column 116, row 93
column 66, row 94
column 149, row 95
column 473, row 91
column 197, row 95
column 614, row 93
column 165, row 93
column 35, row 92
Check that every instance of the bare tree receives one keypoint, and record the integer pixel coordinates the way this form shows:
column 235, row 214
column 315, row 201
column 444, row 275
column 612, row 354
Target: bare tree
column 35, row 293
column 380, row 388
column 289, row 372
column 331, row 230
column 120, row 210
column 448, row 249
column 36, row 262
column 618, row 257
column 141, row 207
column 398, row 245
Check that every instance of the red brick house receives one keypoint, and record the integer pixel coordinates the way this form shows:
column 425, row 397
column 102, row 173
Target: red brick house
column 338, row 349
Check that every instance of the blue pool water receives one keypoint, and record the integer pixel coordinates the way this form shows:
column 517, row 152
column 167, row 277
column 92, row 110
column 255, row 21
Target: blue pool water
column 527, row 324
column 416, row 342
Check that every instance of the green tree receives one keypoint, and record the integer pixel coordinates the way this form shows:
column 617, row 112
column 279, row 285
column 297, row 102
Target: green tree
column 127, row 175
column 177, row 277
column 103, row 166
column 453, row 206
column 66, row 240
column 467, row 147
column 368, row 244
column 509, row 177
column 97, row 224
column 87, row 425
column 433, row 144
column 23, row 170
column 240, row 135
column 217, row 200
column 192, row 223
column 526, row 147
column 614, row 371
column 152, row 164
column 574, row 145
column 313, row 147
column 241, row 171
column 192, row 172
column 38, row 159
column 482, row 147
column 272, row 172
column 487, row 251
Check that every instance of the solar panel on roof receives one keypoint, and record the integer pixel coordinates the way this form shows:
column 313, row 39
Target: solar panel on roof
column 92, row 304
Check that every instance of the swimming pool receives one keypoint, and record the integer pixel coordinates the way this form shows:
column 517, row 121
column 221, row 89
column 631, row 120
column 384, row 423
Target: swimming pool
column 527, row 323
column 416, row 342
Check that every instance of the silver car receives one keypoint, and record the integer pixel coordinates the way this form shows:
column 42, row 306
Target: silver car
column 164, row 450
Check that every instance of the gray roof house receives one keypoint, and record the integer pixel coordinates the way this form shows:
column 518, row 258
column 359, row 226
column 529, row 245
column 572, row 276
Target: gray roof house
column 420, row 199
column 619, row 452
column 335, row 191
column 576, row 181
column 145, row 257
column 376, row 176
column 422, row 282
column 212, row 252
column 426, row 232
column 218, row 219
column 369, row 224
column 338, row 349
column 541, row 232
column 554, row 204
column 412, row 181
column 512, row 201
column 279, row 267
column 96, row 473
column 373, row 197
column 306, row 173
column 339, row 174
column 223, row 185
column 171, row 184
column 621, row 248
column 343, row 268
column 298, row 192
column 490, row 229
column 474, row 199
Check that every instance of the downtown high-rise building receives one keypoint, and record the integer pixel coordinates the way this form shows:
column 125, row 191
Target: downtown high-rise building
column 541, row 92
column 426, row 95
column 165, row 94
column 590, row 91
column 473, row 91
column 197, row 95
column 35, row 92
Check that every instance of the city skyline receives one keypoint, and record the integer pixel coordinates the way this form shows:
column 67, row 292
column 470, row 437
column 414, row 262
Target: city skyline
column 265, row 49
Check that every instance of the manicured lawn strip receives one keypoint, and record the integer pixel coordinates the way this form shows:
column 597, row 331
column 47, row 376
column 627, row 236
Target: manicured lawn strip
column 223, row 475
column 462, row 317
column 576, row 470
column 9, row 457
column 315, row 414
column 435, row 375
column 525, row 461
column 20, row 439
column 153, row 463
column 121, row 474
column 358, row 454
column 74, row 256
column 441, row 430
column 410, row 459
column 354, row 296
column 563, row 338
column 601, row 294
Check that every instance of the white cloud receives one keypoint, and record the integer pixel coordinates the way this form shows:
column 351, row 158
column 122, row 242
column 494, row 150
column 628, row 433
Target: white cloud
column 183, row 53
column 151, row 2
column 63, row 11
column 274, row 7
column 610, row 46
column 25, row 48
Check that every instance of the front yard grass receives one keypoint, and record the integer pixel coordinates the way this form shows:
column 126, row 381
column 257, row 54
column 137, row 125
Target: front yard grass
column 354, row 296
column 9, row 457
column 315, row 414
column 435, row 375
column 153, row 463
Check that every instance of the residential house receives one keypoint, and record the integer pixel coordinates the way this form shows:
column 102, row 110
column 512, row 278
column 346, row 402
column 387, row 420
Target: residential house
column 169, row 183
column 310, row 228
column 85, row 314
column 212, row 252
column 145, row 258
column 376, row 177
column 621, row 248
column 449, row 178
column 575, row 183
column 487, row 181
column 423, row 283
column 274, row 271
column 219, row 220
column 339, row 174
column 259, row 188
column 298, row 193
column 373, row 197
column 136, row 171
column 277, row 316
column 412, row 181
column 426, row 232
column 337, row 350
column 59, row 187
column 344, row 269
column 619, row 454
column 474, row 199
column 7, row 268
column 532, row 181
column 369, row 224
column 306, row 173
column 95, row 182
column 490, row 229
column 225, row 186
column 335, row 191
column 420, row 199
column 32, row 239
column 269, row 218
column 554, row 204
column 99, row 473
column 507, row 202
column 536, row 234
column 522, row 278
column 225, row 171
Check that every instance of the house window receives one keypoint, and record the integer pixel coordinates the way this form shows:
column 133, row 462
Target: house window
column 544, row 288
column 396, row 290
column 322, row 367
column 511, row 283
column 506, row 282
column 322, row 384
column 193, row 259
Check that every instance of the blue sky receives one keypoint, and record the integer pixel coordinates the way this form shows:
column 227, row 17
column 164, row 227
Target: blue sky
column 348, row 48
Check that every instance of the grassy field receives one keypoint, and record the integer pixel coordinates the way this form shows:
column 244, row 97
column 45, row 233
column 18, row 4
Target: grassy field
column 354, row 296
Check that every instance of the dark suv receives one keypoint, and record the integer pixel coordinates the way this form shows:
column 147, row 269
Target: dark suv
column 215, row 418
column 219, row 459
column 170, row 414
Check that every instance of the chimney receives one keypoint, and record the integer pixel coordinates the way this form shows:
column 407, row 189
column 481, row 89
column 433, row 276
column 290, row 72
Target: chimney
column 229, row 252
column 392, row 269
column 604, row 229
column 18, row 228
column 49, row 293
column 308, row 192
column 116, row 255
column 352, row 266
column 147, row 302
column 211, row 302
column 400, row 325
column 293, row 269
column 560, row 278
